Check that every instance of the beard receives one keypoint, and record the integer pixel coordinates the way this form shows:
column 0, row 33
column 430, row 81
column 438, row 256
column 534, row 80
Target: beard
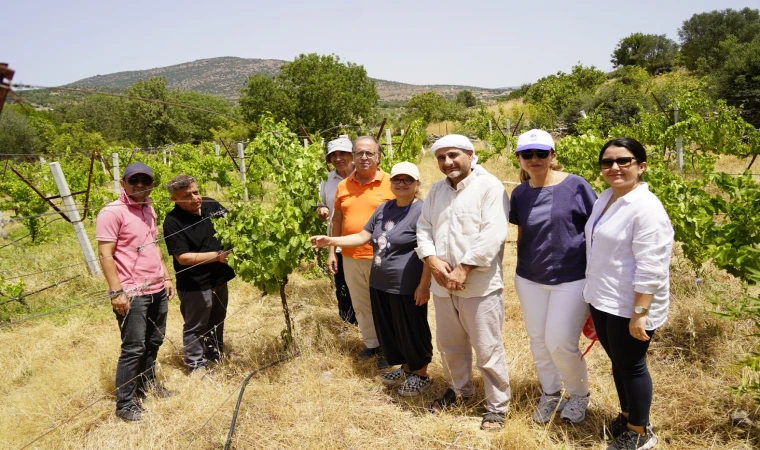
column 455, row 173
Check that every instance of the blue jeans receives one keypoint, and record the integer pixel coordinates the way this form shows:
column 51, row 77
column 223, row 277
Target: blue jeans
column 142, row 333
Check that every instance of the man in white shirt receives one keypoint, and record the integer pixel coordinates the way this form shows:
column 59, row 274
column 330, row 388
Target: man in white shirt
column 340, row 155
column 460, row 235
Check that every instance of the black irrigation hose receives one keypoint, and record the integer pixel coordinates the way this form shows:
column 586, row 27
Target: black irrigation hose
column 242, row 391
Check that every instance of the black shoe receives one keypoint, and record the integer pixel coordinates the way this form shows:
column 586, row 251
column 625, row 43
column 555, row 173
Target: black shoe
column 368, row 353
column 631, row 440
column 382, row 363
column 132, row 413
column 449, row 399
column 620, row 426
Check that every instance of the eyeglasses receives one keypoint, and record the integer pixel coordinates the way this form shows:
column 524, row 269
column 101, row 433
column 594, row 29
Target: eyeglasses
column 527, row 155
column 362, row 155
column 138, row 179
column 406, row 181
column 607, row 163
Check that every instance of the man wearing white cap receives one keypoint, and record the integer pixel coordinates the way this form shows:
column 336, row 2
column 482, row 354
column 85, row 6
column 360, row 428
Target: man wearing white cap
column 340, row 155
column 460, row 235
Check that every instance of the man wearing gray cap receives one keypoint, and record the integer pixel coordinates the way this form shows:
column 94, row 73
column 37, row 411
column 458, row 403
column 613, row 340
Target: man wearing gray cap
column 139, row 287
column 340, row 155
column 460, row 235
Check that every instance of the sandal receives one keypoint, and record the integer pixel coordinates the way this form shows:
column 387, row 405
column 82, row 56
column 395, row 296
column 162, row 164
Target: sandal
column 492, row 421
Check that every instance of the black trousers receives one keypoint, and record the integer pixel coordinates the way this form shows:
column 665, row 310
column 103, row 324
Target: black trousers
column 629, row 364
column 402, row 329
column 204, row 313
column 345, row 308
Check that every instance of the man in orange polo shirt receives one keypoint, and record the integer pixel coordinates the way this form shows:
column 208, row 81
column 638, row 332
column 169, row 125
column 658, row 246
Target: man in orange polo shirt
column 357, row 197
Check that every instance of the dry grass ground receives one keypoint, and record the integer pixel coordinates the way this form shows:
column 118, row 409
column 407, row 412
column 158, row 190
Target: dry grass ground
column 58, row 372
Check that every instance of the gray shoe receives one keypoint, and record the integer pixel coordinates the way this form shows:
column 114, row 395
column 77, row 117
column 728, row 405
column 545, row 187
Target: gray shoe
column 548, row 405
column 382, row 363
column 575, row 410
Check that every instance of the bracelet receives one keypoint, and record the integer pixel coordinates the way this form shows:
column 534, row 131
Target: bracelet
column 113, row 294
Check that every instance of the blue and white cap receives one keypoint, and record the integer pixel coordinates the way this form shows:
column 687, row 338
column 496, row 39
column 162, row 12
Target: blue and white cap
column 535, row 140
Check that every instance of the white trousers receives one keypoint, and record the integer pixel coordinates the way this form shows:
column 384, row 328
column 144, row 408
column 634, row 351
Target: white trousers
column 464, row 324
column 356, row 272
column 554, row 317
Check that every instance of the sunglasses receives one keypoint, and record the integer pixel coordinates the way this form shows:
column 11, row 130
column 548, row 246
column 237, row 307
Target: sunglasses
column 406, row 181
column 607, row 163
column 140, row 179
column 542, row 154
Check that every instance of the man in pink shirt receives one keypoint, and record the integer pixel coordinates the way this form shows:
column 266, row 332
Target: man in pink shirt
column 139, row 287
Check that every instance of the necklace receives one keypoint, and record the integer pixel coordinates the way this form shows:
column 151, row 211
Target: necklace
column 551, row 180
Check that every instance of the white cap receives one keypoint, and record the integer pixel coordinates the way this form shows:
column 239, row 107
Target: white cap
column 342, row 144
column 455, row 141
column 535, row 140
column 405, row 168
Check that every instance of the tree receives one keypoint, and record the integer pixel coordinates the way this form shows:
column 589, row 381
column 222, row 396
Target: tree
column 552, row 95
column 261, row 95
column 430, row 107
column 17, row 135
column 149, row 123
column 738, row 80
column 196, row 125
column 99, row 113
column 466, row 98
column 319, row 92
column 655, row 53
column 701, row 35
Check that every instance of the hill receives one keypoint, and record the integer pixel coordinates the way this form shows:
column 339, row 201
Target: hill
column 226, row 75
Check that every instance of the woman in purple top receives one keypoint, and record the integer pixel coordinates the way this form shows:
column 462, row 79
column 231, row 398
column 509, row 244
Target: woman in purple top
column 550, row 209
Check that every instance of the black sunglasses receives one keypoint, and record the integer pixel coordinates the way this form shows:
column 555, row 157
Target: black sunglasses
column 137, row 179
column 542, row 154
column 406, row 181
column 607, row 163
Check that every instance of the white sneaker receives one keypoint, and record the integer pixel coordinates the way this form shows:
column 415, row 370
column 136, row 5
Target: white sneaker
column 414, row 385
column 393, row 377
column 575, row 410
column 547, row 406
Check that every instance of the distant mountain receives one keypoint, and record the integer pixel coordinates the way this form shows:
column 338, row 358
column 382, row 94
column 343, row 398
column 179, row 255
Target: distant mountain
column 225, row 77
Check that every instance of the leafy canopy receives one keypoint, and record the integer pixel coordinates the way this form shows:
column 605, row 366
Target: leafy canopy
column 317, row 91
column 701, row 34
column 655, row 53
column 431, row 107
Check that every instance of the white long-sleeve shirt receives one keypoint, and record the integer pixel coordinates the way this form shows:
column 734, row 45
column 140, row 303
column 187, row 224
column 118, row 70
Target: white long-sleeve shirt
column 628, row 250
column 466, row 225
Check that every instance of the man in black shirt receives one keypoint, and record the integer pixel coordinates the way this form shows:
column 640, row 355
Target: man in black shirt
column 202, row 271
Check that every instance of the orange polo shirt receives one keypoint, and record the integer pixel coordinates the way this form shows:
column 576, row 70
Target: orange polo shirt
column 357, row 202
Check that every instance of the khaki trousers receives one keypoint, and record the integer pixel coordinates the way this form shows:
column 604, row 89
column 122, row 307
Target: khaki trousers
column 356, row 272
column 464, row 324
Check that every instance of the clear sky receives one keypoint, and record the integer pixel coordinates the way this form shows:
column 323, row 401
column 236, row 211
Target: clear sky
column 475, row 42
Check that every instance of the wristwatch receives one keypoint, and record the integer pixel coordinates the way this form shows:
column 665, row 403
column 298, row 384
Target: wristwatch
column 640, row 310
column 112, row 293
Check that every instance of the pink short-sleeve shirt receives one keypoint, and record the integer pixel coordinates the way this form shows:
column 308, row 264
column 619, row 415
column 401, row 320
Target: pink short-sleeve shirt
column 132, row 227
